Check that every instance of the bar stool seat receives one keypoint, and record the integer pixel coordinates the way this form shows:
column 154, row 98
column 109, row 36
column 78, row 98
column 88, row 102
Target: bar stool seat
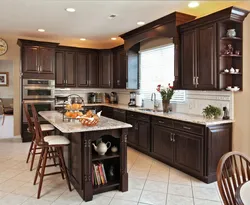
column 47, row 127
column 56, row 140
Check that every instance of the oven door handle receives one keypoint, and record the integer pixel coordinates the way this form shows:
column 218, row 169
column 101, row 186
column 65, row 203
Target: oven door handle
column 38, row 88
column 39, row 101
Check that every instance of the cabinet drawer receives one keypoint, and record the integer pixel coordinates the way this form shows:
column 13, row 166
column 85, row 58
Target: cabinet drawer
column 192, row 128
column 138, row 116
column 162, row 121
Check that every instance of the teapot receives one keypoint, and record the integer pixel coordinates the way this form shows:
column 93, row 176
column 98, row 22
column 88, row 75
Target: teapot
column 102, row 148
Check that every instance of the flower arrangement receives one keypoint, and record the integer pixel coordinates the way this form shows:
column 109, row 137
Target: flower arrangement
column 166, row 92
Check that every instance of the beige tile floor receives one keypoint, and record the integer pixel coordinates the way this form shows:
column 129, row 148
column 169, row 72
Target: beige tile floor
column 150, row 182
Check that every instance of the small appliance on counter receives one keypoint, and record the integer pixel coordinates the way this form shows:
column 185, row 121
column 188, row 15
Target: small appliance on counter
column 139, row 100
column 132, row 101
column 99, row 97
column 91, row 97
column 113, row 98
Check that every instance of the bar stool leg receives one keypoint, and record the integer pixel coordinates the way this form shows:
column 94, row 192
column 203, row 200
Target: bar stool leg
column 60, row 162
column 33, row 157
column 30, row 149
column 3, row 119
column 39, row 165
column 64, row 166
column 42, row 172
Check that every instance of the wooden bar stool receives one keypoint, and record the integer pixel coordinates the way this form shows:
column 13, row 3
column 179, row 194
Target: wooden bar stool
column 46, row 129
column 56, row 142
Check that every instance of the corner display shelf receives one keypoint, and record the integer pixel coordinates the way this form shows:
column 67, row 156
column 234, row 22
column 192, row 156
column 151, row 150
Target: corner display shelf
column 231, row 61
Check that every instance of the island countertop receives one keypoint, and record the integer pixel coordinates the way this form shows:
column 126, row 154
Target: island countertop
column 56, row 119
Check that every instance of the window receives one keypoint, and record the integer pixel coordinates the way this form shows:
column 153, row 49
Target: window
column 157, row 67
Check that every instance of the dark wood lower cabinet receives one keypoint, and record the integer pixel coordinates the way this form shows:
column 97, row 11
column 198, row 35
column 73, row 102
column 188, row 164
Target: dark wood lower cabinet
column 132, row 132
column 143, row 135
column 188, row 152
column 162, row 145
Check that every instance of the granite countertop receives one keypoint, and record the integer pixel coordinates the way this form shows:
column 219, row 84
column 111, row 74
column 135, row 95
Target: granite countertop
column 197, row 119
column 56, row 119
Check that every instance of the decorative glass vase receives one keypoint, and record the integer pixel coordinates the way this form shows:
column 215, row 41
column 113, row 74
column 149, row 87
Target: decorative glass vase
column 165, row 104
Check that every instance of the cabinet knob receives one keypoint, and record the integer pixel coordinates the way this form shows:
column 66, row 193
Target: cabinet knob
column 194, row 83
column 173, row 137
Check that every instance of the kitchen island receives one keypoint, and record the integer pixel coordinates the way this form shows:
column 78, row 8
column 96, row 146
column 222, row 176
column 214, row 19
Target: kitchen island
column 80, row 154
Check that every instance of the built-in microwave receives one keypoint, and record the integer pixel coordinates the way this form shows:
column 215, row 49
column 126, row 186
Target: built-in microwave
column 38, row 89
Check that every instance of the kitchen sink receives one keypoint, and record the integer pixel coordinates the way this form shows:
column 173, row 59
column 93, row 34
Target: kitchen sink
column 150, row 110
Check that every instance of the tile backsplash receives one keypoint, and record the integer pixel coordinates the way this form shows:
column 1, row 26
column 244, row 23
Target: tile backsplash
column 194, row 104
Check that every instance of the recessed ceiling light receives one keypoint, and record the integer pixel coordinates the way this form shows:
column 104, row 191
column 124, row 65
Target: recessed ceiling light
column 113, row 38
column 71, row 10
column 140, row 23
column 112, row 16
column 41, row 30
column 193, row 4
column 83, row 39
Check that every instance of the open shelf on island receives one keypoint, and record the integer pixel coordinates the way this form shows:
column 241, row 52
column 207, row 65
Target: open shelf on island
column 231, row 38
column 232, row 55
column 109, row 155
column 111, row 185
column 228, row 73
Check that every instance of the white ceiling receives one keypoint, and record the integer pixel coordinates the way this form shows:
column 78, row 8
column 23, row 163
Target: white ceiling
column 23, row 17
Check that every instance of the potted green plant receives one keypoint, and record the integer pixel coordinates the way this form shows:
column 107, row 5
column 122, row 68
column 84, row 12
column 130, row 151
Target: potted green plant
column 166, row 95
column 211, row 112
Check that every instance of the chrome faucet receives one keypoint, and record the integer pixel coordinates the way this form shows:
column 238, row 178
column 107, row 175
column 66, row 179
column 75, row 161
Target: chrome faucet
column 153, row 98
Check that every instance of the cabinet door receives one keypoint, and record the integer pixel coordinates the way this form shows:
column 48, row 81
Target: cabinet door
column 144, row 135
column 162, row 144
column 188, row 59
column 206, row 55
column 93, row 69
column 119, row 115
column 59, row 69
column 107, row 112
column 132, row 63
column 105, row 58
column 119, row 69
column 82, row 69
column 70, row 69
column 132, row 132
column 46, row 60
column 30, row 59
column 188, row 152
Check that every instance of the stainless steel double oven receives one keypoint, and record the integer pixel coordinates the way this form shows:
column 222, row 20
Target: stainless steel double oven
column 41, row 93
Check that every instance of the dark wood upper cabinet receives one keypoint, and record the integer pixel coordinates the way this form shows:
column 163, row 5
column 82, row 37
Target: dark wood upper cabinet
column 198, row 58
column 30, row 59
column 188, row 58
column 70, row 69
column 59, row 68
column 47, row 59
column 82, row 70
column 38, row 59
column 202, row 56
column 119, row 67
column 65, row 68
column 105, row 68
column 93, row 70
column 206, row 57
column 188, row 152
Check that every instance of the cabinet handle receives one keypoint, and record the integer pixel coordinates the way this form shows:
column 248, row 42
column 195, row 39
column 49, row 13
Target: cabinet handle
column 187, row 128
column 118, row 82
column 109, row 82
column 40, row 69
column 161, row 122
column 197, row 80
column 171, row 137
column 66, row 82
column 194, row 83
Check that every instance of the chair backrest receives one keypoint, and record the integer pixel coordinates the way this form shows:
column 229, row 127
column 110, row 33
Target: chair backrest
column 232, row 171
column 38, row 130
column 27, row 115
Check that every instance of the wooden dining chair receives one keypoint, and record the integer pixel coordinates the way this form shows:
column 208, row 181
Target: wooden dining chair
column 56, row 142
column 232, row 171
column 34, row 149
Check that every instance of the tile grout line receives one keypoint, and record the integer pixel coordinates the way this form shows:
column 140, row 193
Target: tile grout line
column 168, row 185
